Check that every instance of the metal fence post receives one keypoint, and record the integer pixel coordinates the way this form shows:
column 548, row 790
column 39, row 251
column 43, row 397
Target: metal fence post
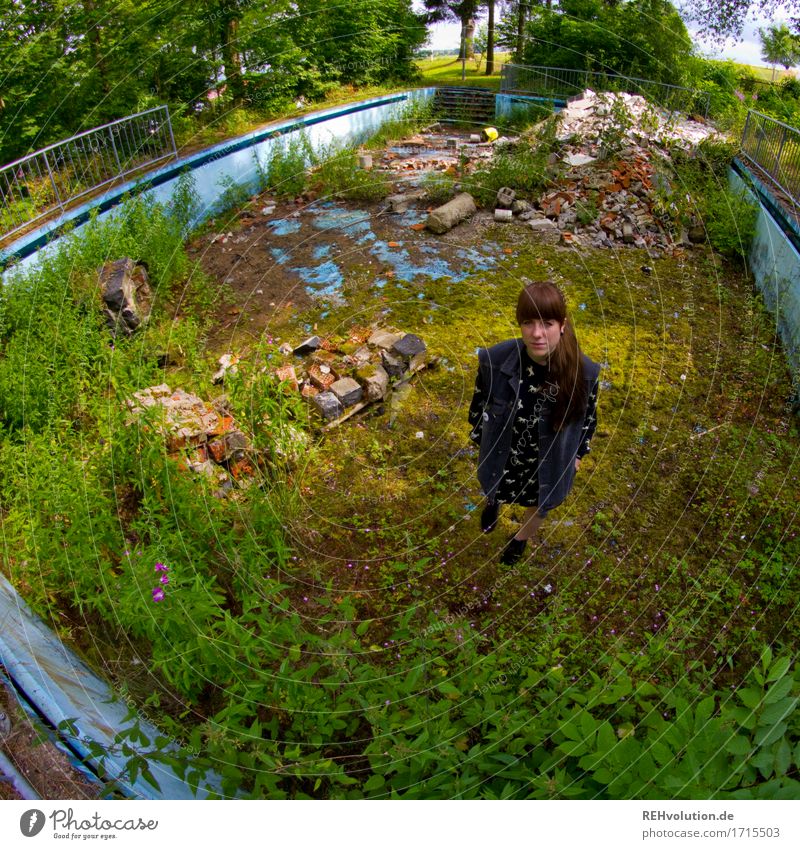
column 744, row 131
column 171, row 136
column 114, row 148
column 779, row 154
column 52, row 180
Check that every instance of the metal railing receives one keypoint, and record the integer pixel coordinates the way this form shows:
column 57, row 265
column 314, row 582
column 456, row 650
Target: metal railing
column 568, row 82
column 49, row 179
column 775, row 148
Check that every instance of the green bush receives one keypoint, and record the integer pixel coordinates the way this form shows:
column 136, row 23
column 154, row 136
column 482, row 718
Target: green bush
column 521, row 168
column 284, row 172
column 439, row 188
column 339, row 176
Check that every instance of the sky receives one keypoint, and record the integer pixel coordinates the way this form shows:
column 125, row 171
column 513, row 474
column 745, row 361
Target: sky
column 747, row 50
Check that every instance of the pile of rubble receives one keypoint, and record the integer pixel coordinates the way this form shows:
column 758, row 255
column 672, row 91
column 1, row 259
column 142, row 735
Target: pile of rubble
column 603, row 201
column 591, row 115
column 338, row 375
column 341, row 376
column 203, row 437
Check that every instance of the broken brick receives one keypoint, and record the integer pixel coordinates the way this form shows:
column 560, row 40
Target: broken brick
column 321, row 379
column 287, row 374
column 216, row 448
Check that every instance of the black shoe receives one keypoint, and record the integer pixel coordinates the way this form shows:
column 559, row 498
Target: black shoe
column 513, row 551
column 489, row 516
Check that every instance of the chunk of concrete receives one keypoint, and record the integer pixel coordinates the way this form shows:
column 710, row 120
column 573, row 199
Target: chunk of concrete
column 376, row 382
column 408, row 346
column 126, row 294
column 576, row 160
column 461, row 207
column 627, row 233
column 395, row 367
column 505, row 197
column 311, row 344
column 384, row 338
column 542, row 224
column 227, row 365
column 347, row 390
column 329, row 406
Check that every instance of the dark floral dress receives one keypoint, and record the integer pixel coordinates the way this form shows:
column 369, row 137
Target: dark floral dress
column 520, row 481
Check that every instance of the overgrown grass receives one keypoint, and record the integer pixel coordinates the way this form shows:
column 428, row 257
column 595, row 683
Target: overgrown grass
column 341, row 628
column 522, row 168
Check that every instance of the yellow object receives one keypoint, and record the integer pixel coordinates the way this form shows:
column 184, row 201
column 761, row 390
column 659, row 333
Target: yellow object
column 489, row 134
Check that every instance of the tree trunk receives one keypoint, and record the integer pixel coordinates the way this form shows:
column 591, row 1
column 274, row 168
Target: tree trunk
column 490, row 41
column 469, row 38
column 232, row 60
column 522, row 13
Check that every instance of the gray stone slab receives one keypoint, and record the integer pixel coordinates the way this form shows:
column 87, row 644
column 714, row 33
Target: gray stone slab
column 329, row 406
column 309, row 346
column 347, row 390
column 408, row 346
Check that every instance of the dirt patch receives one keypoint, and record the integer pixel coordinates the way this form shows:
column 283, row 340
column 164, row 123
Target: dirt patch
column 43, row 766
column 284, row 257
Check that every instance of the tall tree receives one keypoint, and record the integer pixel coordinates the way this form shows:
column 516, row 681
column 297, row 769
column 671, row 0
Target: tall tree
column 490, row 40
column 721, row 19
column 779, row 47
column 456, row 10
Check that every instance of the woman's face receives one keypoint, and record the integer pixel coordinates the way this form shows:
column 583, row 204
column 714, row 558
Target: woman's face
column 541, row 337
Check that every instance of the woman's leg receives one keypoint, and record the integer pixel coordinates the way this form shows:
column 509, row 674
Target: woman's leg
column 531, row 523
column 515, row 547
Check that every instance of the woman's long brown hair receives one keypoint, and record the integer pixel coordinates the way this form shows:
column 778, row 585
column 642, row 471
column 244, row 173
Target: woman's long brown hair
column 545, row 301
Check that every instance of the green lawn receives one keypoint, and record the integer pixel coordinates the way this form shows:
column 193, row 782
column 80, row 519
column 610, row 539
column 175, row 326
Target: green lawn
column 447, row 70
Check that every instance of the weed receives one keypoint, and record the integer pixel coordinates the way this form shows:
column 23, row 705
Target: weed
column 339, row 175
column 439, row 188
column 285, row 169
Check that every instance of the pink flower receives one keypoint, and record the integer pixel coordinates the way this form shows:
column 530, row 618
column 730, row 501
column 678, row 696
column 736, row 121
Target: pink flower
column 160, row 567
column 158, row 594
column 163, row 580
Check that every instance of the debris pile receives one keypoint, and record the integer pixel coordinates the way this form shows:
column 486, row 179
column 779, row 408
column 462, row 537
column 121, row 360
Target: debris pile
column 342, row 375
column 201, row 436
column 602, row 200
column 594, row 115
column 126, row 295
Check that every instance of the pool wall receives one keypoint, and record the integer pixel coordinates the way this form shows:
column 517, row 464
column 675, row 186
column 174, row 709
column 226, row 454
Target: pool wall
column 235, row 161
column 774, row 261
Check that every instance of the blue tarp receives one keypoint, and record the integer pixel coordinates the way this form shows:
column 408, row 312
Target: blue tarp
column 62, row 687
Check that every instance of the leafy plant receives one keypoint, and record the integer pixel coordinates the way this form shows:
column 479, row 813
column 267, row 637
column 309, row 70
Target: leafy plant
column 338, row 175
column 284, row 172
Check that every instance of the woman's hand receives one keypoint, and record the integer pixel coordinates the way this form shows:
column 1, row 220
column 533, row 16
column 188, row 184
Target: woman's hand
column 577, row 463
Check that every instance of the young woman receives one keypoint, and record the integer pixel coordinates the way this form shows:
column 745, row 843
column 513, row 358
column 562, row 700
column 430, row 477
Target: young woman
column 533, row 414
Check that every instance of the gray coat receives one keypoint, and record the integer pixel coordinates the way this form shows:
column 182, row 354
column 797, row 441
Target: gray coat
column 492, row 416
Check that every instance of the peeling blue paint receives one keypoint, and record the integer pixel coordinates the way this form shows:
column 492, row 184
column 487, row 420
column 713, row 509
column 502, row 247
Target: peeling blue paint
column 284, row 226
column 280, row 255
column 347, row 220
column 325, row 279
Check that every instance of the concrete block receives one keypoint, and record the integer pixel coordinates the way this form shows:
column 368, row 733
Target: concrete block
column 347, row 390
column 408, row 346
column 329, row 406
